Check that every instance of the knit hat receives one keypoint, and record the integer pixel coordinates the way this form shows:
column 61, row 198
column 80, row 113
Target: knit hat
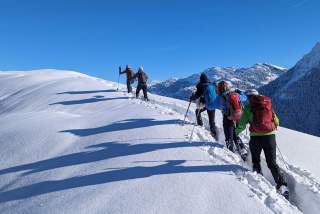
column 250, row 92
column 140, row 68
column 204, row 78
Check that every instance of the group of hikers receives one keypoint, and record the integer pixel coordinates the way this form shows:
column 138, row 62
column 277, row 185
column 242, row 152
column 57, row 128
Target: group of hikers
column 131, row 77
column 239, row 108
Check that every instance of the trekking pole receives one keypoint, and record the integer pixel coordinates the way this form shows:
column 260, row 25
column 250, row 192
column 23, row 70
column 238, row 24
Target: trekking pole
column 194, row 125
column 185, row 116
column 119, row 77
column 243, row 170
column 285, row 163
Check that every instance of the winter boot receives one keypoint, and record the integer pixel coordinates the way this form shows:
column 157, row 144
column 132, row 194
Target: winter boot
column 229, row 145
column 284, row 191
column 199, row 118
column 256, row 167
column 241, row 150
column 214, row 135
column 213, row 132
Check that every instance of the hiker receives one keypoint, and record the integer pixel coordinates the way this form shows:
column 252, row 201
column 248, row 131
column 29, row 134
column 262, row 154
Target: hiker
column 230, row 103
column 129, row 73
column 263, row 122
column 206, row 95
column 142, row 83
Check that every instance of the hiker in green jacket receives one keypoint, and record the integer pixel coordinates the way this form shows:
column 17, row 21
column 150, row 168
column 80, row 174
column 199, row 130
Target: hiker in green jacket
column 263, row 122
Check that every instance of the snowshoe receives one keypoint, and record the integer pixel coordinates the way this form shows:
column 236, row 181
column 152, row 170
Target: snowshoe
column 244, row 154
column 284, row 191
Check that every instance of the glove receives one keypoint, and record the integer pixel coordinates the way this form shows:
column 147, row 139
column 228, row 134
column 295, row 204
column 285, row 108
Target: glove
column 192, row 97
column 119, row 69
column 237, row 90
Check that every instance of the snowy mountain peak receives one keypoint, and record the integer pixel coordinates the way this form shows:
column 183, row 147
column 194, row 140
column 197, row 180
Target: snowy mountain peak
column 297, row 90
column 317, row 47
column 252, row 77
column 310, row 60
column 273, row 66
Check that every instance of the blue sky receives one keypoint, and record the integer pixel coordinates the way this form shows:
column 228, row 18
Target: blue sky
column 167, row 37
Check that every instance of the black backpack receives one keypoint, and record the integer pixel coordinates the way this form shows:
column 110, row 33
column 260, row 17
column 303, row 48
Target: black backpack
column 142, row 77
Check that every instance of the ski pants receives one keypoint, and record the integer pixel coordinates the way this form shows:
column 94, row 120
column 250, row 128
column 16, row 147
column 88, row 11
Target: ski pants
column 230, row 133
column 211, row 116
column 268, row 144
column 129, row 87
column 142, row 86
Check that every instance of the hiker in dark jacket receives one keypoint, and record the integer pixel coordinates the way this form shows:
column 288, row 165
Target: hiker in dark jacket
column 200, row 95
column 129, row 74
column 142, row 83
column 233, row 141
column 263, row 122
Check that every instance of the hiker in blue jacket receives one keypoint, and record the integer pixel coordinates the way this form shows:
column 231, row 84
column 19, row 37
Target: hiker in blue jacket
column 206, row 96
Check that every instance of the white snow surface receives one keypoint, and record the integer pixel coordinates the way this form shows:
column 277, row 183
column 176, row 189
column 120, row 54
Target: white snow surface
column 71, row 143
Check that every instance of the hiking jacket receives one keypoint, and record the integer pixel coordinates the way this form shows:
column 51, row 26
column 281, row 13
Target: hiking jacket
column 247, row 117
column 222, row 103
column 142, row 77
column 129, row 73
column 200, row 91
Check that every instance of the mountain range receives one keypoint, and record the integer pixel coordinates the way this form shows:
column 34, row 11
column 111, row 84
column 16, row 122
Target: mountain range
column 244, row 78
column 295, row 92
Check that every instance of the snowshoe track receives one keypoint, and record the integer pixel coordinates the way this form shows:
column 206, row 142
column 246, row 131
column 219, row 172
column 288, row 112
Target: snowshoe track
column 260, row 187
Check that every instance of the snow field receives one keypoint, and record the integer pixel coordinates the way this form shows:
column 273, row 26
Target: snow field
column 71, row 143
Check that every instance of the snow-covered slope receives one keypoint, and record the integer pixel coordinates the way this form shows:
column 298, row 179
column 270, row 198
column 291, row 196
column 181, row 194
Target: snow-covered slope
column 253, row 77
column 296, row 95
column 70, row 143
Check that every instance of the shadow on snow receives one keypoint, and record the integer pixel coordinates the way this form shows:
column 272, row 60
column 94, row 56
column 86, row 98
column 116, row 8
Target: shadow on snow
column 88, row 100
column 87, row 92
column 137, row 172
column 122, row 125
column 105, row 151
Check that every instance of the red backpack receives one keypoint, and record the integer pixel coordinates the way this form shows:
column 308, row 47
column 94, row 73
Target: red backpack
column 263, row 116
column 234, row 107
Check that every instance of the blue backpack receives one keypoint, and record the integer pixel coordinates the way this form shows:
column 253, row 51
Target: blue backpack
column 210, row 97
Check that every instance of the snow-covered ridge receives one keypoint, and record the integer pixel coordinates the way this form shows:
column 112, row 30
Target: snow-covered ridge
column 253, row 77
column 310, row 60
column 74, row 144
column 299, row 90
column 305, row 65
